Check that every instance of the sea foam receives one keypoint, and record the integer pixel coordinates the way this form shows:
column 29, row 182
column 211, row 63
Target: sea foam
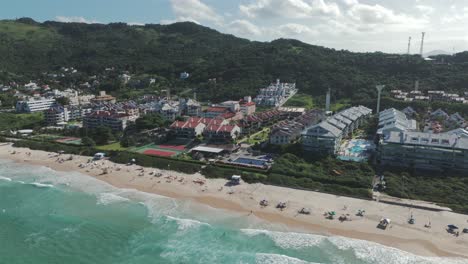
column 261, row 258
column 110, row 198
column 42, row 185
column 186, row 224
column 288, row 240
column 5, row 178
column 373, row 252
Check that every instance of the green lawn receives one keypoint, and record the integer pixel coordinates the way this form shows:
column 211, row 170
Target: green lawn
column 113, row 146
column 300, row 100
column 257, row 137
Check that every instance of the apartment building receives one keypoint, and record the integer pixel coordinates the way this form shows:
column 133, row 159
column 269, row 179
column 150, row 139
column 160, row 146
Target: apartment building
column 221, row 133
column 394, row 120
column 420, row 150
column 191, row 128
column 34, row 105
column 113, row 120
column 326, row 136
column 276, row 94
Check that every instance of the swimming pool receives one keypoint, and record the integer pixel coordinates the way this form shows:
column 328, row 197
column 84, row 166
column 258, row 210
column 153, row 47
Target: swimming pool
column 248, row 161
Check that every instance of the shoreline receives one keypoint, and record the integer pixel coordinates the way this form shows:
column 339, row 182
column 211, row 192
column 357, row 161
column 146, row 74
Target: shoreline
column 245, row 198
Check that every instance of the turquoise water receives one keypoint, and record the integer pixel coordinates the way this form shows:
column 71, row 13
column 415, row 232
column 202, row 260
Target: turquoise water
column 50, row 217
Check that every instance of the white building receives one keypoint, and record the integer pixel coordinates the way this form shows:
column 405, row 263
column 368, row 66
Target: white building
column 425, row 150
column 394, row 120
column 276, row 94
column 326, row 136
column 34, row 105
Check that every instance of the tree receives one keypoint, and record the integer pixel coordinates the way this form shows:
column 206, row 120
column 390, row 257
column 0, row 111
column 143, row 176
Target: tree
column 127, row 141
column 87, row 141
column 101, row 135
column 63, row 100
column 150, row 121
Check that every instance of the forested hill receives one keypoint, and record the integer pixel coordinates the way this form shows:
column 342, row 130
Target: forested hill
column 28, row 48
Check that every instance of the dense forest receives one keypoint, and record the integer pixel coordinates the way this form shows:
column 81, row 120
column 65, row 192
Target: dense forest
column 240, row 66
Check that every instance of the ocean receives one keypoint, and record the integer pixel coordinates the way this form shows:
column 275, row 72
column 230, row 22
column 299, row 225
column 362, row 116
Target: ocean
column 49, row 217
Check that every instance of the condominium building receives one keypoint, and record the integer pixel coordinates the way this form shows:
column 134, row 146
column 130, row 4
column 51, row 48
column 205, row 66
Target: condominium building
column 420, row 150
column 193, row 108
column 326, row 136
column 34, row 105
column 394, row 120
column 113, row 120
column 221, row 133
column 103, row 98
column 57, row 115
column 191, row 128
column 247, row 106
column 276, row 94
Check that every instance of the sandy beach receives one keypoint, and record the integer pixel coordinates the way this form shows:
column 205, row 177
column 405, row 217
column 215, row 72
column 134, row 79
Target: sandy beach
column 245, row 198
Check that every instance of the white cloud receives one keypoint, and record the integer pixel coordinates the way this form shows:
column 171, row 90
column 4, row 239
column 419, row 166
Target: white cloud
column 455, row 16
column 426, row 10
column 75, row 19
column 292, row 29
column 195, row 11
column 379, row 18
column 289, row 8
column 244, row 28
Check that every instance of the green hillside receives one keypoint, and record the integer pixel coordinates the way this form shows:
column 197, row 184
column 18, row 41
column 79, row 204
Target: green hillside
column 28, row 48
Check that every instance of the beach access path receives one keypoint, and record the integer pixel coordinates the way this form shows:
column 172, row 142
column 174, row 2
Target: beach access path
column 245, row 199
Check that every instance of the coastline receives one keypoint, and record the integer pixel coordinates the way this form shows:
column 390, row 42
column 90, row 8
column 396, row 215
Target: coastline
column 245, row 199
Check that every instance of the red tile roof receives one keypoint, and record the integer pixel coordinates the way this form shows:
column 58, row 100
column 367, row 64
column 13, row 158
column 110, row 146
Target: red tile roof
column 217, row 109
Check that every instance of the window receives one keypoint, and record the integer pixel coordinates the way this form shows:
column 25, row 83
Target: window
column 414, row 139
column 445, row 141
column 435, row 141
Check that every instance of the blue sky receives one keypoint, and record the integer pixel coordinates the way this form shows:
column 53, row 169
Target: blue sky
column 358, row 25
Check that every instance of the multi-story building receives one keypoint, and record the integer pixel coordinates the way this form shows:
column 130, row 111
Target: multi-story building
column 288, row 131
column 247, row 106
column 285, row 132
column 394, row 120
column 34, row 105
column 170, row 111
column 326, row 136
column 276, row 94
column 221, row 133
column 216, row 111
column 193, row 108
column 113, row 120
column 103, row 98
column 191, row 128
column 420, row 150
column 57, row 115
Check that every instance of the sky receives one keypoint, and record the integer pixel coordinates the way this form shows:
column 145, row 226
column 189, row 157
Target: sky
column 356, row 25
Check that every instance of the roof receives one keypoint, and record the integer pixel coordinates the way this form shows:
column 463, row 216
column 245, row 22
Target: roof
column 332, row 131
column 391, row 119
column 208, row 149
column 248, row 104
column 440, row 140
column 216, row 109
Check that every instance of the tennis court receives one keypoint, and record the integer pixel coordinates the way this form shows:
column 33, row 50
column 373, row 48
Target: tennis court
column 160, row 150
column 160, row 153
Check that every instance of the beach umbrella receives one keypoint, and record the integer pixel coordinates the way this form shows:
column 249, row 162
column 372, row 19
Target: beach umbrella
column 332, row 213
column 452, row 226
